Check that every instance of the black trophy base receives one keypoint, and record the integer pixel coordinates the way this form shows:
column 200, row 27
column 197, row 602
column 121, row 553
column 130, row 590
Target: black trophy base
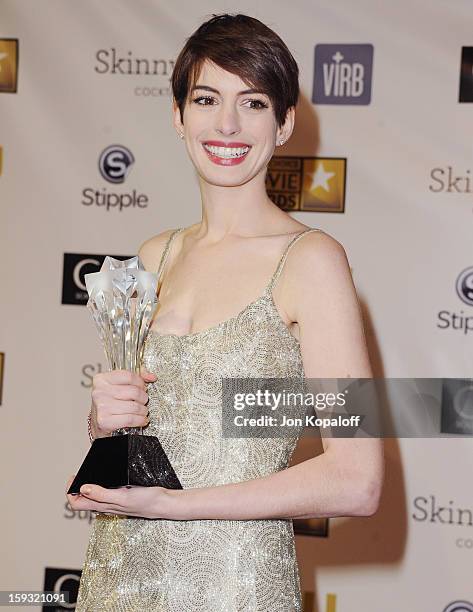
column 126, row 461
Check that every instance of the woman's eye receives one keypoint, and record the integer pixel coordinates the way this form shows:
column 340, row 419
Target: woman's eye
column 198, row 100
column 260, row 104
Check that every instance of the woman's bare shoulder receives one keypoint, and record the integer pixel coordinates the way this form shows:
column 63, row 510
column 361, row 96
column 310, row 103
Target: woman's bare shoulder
column 316, row 244
column 151, row 250
column 316, row 259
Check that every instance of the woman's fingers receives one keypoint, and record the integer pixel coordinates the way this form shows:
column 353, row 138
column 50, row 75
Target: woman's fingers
column 148, row 376
column 120, row 399
column 98, row 499
column 126, row 392
column 118, row 377
column 110, row 422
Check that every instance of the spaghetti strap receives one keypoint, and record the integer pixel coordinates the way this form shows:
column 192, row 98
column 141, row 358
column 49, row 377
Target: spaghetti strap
column 282, row 261
column 165, row 254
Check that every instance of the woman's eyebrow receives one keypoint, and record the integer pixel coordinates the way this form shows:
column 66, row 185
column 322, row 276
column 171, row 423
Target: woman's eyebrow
column 245, row 91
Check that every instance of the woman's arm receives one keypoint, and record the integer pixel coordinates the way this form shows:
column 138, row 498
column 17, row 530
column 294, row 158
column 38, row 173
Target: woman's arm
column 318, row 487
column 346, row 479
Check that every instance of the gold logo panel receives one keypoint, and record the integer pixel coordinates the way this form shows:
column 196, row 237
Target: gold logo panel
column 8, row 65
column 310, row 184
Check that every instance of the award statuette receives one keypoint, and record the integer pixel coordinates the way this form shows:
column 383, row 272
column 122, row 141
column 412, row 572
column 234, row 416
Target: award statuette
column 122, row 300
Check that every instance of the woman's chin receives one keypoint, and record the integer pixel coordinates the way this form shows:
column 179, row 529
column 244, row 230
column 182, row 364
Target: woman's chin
column 219, row 179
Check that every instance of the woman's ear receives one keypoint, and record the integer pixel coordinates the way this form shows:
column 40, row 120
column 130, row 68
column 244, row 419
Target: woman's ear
column 285, row 131
column 178, row 125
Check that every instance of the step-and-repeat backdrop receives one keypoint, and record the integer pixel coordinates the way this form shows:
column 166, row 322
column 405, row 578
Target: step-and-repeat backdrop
column 381, row 158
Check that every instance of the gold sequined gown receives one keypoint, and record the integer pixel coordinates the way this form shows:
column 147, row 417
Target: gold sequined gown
column 144, row 565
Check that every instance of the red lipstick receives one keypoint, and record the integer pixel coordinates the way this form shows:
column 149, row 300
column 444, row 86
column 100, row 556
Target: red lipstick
column 225, row 161
column 220, row 143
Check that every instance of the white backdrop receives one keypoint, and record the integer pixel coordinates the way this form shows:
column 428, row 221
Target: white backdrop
column 406, row 232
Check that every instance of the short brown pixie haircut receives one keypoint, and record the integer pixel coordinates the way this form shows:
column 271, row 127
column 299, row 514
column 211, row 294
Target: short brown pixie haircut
column 243, row 46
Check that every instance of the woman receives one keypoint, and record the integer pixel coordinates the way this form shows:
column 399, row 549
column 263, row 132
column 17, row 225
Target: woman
column 248, row 292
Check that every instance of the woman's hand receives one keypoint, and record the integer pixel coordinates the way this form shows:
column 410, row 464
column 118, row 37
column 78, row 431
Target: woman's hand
column 145, row 502
column 119, row 400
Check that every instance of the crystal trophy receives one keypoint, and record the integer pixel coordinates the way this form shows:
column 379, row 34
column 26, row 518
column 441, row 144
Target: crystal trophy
column 122, row 300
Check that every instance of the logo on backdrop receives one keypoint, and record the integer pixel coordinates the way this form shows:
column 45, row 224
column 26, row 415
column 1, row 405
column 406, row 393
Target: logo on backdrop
column 62, row 580
column 2, row 367
column 81, row 515
column 158, row 71
column 462, row 321
column 459, row 606
column 8, row 65
column 457, row 406
column 318, row 527
column 342, row 74
column 466, row 75
column 464, row 286
column 458, row 520
column 429, row 510
column 446, row 180
column 75, row 267
column 310, row 184
column 115, row 163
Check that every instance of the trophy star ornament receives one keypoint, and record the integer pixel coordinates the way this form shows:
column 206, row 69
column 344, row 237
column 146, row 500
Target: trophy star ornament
column 122, row 301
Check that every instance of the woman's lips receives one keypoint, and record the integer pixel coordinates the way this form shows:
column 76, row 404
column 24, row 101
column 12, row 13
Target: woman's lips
column 226, row 161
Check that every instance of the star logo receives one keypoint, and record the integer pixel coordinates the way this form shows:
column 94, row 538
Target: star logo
column 321, row 178
column 312, row 184
column 324, row 184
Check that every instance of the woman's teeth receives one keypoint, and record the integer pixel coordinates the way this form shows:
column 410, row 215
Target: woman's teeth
column 227, row 152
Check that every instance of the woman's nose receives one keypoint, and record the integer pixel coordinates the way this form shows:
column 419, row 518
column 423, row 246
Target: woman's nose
column 227, row 121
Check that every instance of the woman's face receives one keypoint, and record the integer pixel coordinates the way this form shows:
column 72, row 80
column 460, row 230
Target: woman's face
column 230, row 135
